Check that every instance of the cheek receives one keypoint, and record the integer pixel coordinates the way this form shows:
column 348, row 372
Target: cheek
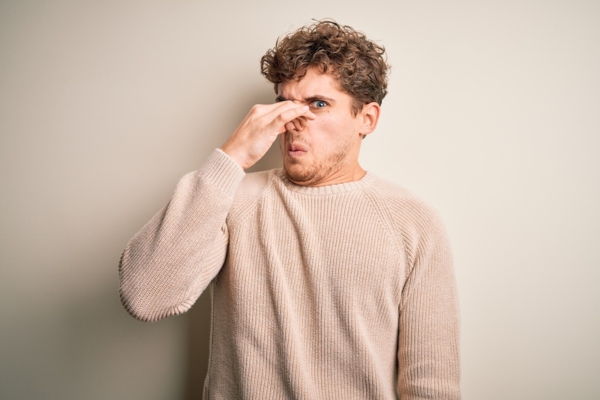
column 325, row 125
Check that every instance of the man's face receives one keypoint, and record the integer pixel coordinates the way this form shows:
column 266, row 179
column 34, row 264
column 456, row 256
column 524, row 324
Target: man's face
column 322, row 151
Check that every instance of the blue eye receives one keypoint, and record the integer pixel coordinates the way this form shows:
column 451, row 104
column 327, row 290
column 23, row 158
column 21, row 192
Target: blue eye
column 319, row 104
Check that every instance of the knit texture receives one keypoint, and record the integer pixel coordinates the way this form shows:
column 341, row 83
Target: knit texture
column 336, row 292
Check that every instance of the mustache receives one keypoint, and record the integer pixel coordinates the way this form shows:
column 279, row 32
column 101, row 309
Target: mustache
column 294, row 137
column 293, row 142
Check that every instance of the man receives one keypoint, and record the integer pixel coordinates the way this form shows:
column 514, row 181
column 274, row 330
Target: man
column 327, row 282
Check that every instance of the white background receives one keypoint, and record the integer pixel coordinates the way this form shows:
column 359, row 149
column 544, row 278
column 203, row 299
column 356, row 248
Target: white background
column 493, row 117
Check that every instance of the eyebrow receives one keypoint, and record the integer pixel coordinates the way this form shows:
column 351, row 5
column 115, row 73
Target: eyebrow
column 307, row 99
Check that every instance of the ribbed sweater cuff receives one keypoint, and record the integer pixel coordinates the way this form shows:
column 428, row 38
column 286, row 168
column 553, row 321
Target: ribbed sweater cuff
column 222, row 172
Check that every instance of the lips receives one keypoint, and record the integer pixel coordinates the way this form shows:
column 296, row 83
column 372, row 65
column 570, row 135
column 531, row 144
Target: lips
column 296, row 148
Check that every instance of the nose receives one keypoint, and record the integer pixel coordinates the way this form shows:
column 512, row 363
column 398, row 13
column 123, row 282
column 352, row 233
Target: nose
column 289, row 126
column 296, row 125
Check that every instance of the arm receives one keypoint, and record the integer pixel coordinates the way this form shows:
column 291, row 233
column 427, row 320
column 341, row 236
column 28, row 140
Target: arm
column 170, row 261
column 167, row 265
column 428, row 348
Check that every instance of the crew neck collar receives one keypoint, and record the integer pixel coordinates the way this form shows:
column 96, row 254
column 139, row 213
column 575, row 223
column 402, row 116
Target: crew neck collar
column 328, row 189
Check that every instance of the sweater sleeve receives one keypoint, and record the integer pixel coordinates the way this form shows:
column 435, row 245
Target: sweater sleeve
column 172, row 259
column 428, row 348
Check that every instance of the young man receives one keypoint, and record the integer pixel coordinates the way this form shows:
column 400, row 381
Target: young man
column 327, row 282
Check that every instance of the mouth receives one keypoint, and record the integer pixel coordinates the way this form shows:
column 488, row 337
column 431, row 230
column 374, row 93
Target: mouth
column 295, row 150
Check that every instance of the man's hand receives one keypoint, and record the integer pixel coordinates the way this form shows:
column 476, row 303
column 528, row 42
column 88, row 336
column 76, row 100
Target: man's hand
column 259, row 129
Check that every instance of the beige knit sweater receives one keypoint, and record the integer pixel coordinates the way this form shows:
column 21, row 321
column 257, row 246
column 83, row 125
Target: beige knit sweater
column 335, row 292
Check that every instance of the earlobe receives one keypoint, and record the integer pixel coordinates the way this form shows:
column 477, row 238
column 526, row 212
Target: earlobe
column 370, row 117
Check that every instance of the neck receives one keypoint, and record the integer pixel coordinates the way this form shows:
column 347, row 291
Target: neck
column 341, row 176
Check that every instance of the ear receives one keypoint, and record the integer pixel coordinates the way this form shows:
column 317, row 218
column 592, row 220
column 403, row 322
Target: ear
column 369, row 118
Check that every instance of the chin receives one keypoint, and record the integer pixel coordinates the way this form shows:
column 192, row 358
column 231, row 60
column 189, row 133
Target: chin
column 300, row 175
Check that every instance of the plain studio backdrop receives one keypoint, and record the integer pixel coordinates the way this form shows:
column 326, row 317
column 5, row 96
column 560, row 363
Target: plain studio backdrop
column 493, row 116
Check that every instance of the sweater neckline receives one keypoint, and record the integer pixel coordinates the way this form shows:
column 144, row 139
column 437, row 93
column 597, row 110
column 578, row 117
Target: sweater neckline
column 326, row 190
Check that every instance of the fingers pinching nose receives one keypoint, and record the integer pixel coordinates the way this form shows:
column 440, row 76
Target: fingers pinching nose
column 289, row 126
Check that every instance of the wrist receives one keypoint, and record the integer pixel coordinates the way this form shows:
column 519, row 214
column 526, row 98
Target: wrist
column 234, row 155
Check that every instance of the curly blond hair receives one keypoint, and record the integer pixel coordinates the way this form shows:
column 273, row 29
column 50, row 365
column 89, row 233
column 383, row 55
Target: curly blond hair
column 358, row 64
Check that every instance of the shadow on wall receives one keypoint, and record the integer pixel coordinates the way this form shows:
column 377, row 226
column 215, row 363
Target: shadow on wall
column 198, row 330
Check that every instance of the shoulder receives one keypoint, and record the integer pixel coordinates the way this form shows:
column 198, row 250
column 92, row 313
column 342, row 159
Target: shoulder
column 254, row 183
column 403, row 205
column 254, row 186
column 410, row 217
column 413, row 221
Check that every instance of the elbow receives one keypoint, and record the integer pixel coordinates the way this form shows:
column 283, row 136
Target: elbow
column 140, row 309
column 145, row 299
column 136, row 309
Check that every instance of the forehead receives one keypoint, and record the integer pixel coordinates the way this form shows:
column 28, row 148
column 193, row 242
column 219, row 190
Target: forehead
column 312, row 84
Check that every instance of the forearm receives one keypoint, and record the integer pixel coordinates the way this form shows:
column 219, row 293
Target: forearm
column 171, row 260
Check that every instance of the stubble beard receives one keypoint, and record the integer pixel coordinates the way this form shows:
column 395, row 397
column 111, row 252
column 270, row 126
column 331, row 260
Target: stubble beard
column 317, row 171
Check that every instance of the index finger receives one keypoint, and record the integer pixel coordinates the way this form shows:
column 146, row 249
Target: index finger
column 282, row 118
column 289, row 111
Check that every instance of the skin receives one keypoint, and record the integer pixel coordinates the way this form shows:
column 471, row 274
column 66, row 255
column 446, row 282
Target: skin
column 320, row 136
